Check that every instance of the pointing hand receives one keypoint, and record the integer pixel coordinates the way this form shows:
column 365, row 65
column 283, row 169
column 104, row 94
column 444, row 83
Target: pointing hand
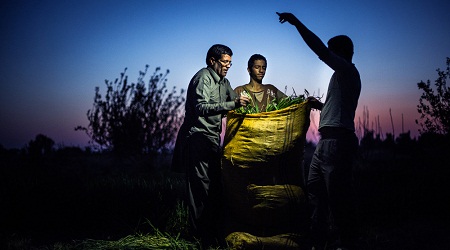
column 287, row 17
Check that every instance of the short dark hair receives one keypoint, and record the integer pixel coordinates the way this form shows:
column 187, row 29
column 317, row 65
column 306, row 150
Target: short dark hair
column 341, row 45
column 253, row 58
column 216, row 51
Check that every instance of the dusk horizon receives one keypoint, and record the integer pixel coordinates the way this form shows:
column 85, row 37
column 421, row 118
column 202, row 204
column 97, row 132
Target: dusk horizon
column 54, row 54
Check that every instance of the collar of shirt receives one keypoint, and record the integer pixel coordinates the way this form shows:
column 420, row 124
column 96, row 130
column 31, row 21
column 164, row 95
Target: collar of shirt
column 214, row 75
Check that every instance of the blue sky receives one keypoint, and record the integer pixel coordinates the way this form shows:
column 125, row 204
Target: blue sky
column 54, row 53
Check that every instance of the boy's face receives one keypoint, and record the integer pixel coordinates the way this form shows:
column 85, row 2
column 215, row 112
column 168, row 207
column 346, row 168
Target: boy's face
column 258, row 70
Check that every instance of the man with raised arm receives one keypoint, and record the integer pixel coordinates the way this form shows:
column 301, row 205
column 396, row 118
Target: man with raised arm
column 329, row 184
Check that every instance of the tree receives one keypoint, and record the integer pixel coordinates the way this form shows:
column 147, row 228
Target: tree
column 135, row 118
column 434, row 105
column 40, row 146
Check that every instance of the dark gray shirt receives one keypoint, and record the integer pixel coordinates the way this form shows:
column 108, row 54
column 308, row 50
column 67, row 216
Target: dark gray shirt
column 209, row 98
column 342, row 95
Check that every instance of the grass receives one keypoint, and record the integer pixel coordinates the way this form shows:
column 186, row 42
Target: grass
column 157, row 240
column 95, row 201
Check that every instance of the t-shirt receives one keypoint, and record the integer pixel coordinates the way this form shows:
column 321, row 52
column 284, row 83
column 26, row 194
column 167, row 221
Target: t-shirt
column 263, row 97
column 342, row 95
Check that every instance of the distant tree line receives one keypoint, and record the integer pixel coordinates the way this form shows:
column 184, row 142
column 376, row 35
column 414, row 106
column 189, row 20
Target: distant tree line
column 140, row 118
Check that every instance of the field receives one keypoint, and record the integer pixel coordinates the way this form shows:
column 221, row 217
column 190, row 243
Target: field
column 72, row 199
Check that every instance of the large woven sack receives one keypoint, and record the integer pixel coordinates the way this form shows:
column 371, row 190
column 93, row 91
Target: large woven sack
column 246, row 241
column 261, row 165
column 262, row 137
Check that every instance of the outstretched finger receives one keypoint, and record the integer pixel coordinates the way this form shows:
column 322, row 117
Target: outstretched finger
column 279, row 15
column 281, row 19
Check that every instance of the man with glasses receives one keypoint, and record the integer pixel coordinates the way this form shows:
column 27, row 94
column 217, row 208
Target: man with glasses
column 197, row 151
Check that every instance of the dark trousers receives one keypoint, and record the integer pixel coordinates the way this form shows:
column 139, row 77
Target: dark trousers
column 204, row 187
column 329, row 188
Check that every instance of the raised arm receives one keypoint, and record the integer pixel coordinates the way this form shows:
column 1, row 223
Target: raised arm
column 313, row 41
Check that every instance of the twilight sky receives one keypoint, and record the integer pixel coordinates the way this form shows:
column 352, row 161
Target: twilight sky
column 54, row 53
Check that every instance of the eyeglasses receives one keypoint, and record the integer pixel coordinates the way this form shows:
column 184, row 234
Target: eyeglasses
column 225, row 63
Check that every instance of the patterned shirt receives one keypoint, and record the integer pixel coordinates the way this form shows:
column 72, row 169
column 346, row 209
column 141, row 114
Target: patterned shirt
column 263, row 97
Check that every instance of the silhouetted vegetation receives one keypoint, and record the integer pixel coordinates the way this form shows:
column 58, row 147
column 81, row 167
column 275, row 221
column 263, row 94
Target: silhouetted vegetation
column 80, row 199
column 135, row 118
column 40, row 146
column 72, row 194
column 434, row 104
column 69, row 198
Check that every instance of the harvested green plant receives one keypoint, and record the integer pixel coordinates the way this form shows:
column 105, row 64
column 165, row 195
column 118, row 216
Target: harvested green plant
column 275, row 104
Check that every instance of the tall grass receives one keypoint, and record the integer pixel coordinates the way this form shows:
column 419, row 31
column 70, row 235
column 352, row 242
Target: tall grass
column 53, row 199
column 94, row 201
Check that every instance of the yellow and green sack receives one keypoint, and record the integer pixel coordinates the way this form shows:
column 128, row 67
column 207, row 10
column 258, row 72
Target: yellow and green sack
column 262, row 165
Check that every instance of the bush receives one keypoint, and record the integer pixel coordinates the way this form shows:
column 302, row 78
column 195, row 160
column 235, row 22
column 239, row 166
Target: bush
column 135, row 118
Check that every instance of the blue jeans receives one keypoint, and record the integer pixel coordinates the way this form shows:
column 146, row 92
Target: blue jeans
column 329, row 188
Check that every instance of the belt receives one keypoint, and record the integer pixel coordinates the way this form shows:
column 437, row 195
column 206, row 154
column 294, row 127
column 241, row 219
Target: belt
column 334, row 132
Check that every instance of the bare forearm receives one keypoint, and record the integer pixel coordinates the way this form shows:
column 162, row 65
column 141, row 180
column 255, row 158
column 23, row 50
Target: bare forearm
column 308, row 36
column 312, row 40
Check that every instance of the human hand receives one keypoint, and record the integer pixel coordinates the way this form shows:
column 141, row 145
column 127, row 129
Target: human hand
column 315, row 103
column 287, row 17
column 242, row 100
